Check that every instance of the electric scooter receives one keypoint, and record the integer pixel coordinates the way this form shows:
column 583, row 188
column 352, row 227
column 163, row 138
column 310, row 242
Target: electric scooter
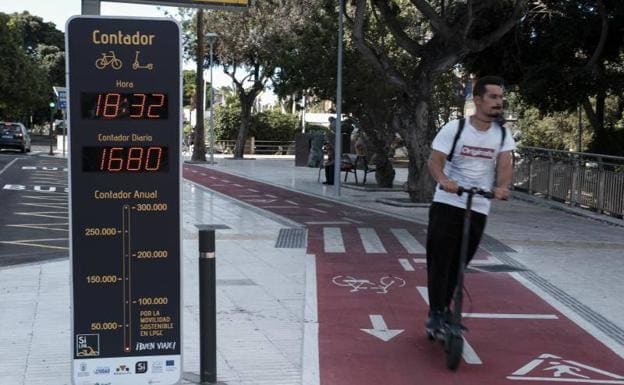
column 451, row 335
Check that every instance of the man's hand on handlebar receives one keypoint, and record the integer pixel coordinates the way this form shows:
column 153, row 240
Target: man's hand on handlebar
column 501, row 193
column 449, row 186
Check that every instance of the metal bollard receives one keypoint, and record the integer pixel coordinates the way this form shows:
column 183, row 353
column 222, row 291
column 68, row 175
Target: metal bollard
column 207, row 305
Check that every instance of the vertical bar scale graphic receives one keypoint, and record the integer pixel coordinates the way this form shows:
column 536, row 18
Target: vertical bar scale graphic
column 124, row 88
column 127, row 282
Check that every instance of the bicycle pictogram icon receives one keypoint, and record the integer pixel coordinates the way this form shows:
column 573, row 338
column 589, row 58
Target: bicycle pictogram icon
column 108, row 58
column 381, row 287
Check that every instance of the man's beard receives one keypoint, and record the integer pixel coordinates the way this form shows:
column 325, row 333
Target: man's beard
column 495, row 113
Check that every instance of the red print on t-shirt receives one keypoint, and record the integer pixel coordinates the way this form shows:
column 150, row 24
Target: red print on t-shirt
column 478, row 152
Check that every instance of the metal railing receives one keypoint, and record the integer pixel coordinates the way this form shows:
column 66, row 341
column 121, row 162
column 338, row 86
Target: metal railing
column 259, row 147
column 591, row 181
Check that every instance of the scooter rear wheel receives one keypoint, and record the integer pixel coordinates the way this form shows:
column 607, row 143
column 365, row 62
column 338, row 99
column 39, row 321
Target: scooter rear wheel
column 454, row 347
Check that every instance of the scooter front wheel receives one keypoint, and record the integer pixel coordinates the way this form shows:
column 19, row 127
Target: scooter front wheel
column 454, row 347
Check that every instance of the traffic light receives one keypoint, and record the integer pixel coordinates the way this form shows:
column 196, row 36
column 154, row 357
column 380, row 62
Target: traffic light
column 52, row 105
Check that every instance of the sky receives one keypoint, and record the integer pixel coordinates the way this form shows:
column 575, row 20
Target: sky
column 58, row 11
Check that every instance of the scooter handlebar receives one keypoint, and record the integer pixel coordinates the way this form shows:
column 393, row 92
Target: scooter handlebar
column 474, row 191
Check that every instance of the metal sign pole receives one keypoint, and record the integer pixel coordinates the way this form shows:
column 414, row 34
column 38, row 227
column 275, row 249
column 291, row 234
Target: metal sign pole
column 90, row 7
column 338, row 140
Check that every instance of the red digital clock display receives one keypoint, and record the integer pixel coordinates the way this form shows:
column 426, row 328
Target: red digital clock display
column 116, row 106
column 128, row 159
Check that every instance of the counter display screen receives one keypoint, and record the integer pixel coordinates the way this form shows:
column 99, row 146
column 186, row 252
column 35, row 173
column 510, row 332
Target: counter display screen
column 124, row 110
column 122, row 106
column 136, row 159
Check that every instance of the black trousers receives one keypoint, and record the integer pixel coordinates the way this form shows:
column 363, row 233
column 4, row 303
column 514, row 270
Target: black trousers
column 329, row 173
column 444, row 236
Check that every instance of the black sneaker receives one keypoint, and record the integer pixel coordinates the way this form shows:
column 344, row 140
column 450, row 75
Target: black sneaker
column 435, row 323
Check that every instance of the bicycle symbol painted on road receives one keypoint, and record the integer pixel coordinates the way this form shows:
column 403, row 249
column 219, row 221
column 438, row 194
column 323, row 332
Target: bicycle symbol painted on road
column 108, row 59
column 356, row 285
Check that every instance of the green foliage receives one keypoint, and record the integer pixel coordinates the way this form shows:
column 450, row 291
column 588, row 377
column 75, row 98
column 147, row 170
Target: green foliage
column 227, row 122
column 24, row 85
column 556, row 58
column 274, row 125
column 558, row 131
column 188, row 88
column 266, row 125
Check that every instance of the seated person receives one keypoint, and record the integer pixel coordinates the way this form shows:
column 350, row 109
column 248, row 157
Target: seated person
column 329, row 164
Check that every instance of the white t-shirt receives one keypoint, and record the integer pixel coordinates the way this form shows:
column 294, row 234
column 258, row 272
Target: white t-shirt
column 473, row 163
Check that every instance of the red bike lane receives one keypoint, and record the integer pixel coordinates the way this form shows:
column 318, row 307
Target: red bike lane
column 371, row 298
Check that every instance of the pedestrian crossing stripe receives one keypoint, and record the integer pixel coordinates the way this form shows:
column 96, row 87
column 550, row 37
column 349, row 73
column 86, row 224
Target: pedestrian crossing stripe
column 370, row 239
column 562, row 370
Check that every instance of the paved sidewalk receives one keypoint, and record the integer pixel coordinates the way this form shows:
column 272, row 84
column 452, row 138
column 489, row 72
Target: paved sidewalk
column 576, row 262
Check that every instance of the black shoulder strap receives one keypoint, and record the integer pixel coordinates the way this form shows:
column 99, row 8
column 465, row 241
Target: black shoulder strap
column 503, row 132
column 462, row 122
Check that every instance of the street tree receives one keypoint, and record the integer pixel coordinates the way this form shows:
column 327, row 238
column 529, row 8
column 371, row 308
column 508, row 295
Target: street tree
column 24, row 85
column 563, row 55
column 249, row 48
column 310, row 70
column 425, row 40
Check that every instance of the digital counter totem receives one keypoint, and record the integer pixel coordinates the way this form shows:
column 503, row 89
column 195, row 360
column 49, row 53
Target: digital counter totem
column 124, row 130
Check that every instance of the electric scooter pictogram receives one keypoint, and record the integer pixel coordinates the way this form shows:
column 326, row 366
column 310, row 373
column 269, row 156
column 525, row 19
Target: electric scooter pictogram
column 136, row 65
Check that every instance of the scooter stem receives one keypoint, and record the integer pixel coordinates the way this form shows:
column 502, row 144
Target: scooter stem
column 463, row 255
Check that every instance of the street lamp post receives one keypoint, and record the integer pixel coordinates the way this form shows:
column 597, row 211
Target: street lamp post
column 52, row 105
column 212, row 38
column 338, row 143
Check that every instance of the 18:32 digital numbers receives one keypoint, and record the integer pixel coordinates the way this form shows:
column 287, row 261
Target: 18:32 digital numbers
column 115, row 106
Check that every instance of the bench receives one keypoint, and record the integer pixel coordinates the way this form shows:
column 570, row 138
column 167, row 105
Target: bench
column 361, row 163
column 347, row 165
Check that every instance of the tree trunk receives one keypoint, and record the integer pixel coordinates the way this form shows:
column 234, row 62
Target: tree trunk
column 419, row 137
column 384, row 171
column 245, row 123
column 199, row 140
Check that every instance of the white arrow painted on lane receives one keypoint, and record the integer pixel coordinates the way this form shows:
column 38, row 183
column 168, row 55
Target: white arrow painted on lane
column 380, row 329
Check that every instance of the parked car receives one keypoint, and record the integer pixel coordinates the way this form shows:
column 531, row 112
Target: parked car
column 14, row 136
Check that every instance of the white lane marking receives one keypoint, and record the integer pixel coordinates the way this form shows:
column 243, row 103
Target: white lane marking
column 475, row 262
column 45, row 214
column 270, row 196
column 407, row 266
column 277, row 207
column 42, row 226
column 46, row 198
column 354, row 221
column 469, row 354
column 252, row 190
column 570, row 314
column 291, row 202
column 370, row 240
column 332, row 240
column 509, row 316
column 59, row 205
column 212, row 177
column 380, row 329
column 9, row 165
column 318, row 211
column 202, row 173
column 310, row 359
column 327, row 223
column 29, row 242
column 237, row 185
column 410, row 243
column 579, row 380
